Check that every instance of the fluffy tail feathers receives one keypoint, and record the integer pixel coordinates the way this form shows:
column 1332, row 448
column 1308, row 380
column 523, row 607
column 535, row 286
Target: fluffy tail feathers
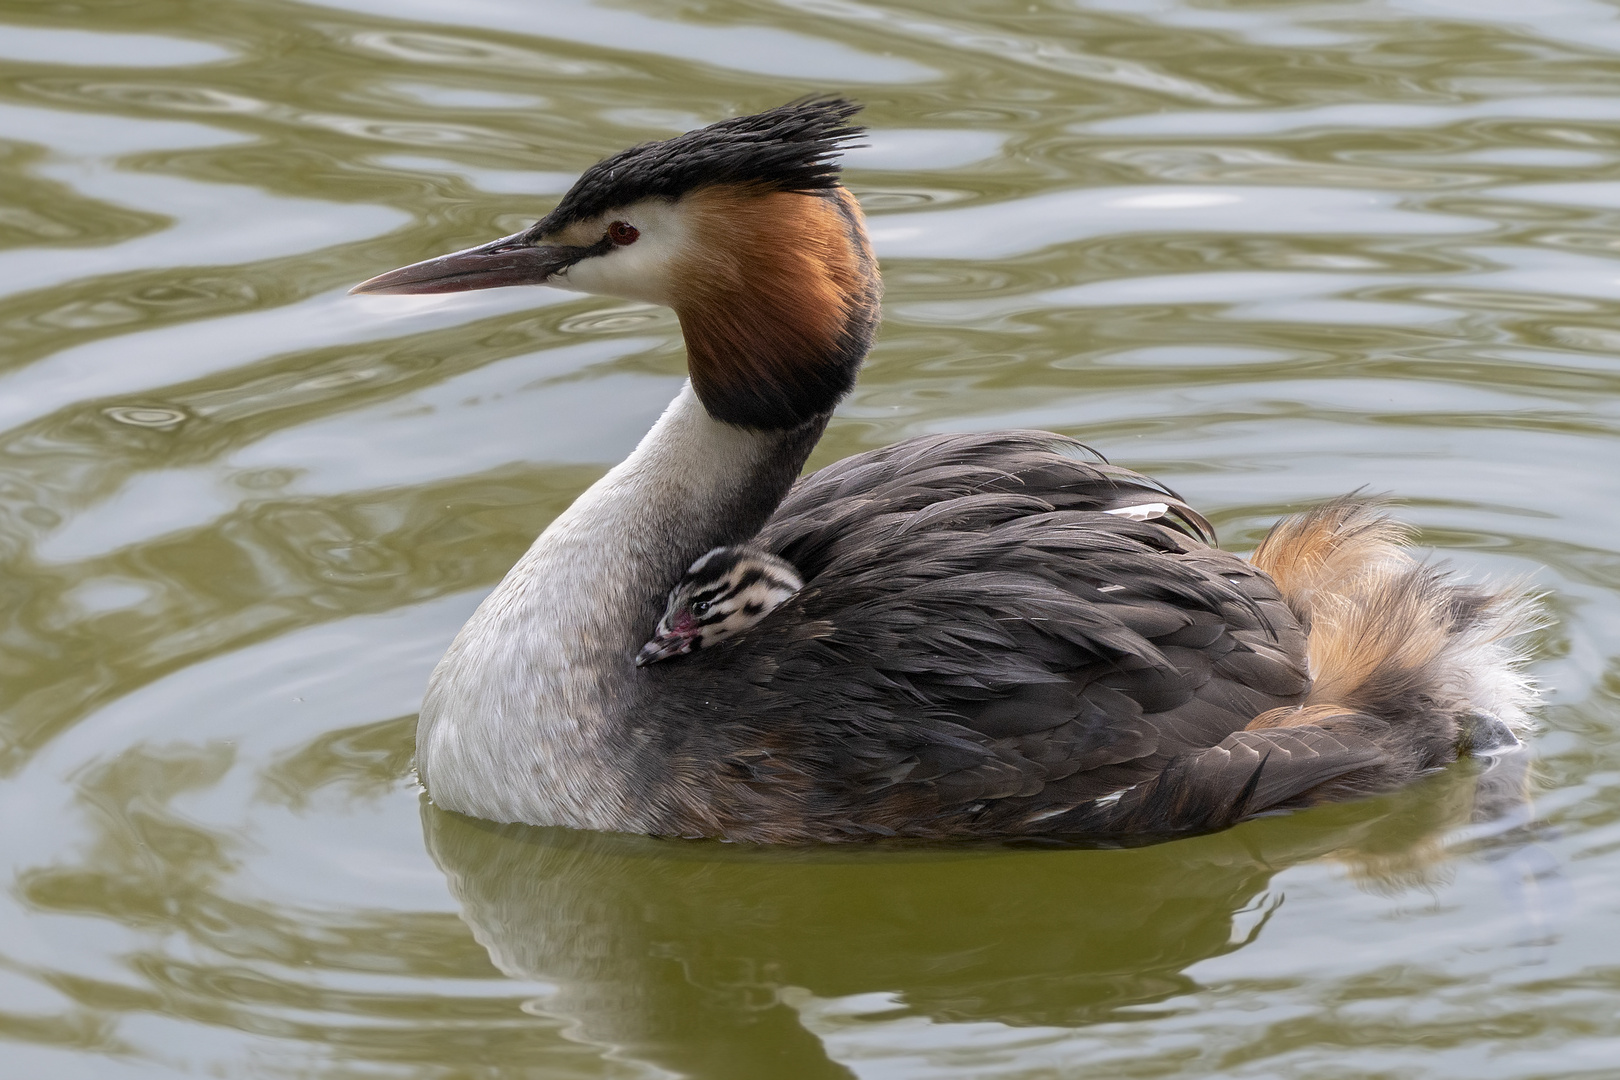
column 1396, row 640
column 1409, row 669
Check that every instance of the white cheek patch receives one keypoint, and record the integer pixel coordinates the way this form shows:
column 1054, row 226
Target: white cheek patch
column 644, row 270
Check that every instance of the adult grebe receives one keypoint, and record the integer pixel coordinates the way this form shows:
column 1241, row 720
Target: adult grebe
column 997, row 634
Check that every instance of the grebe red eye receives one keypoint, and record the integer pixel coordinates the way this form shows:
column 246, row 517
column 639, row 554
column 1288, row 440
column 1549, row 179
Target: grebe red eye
column 622, row 233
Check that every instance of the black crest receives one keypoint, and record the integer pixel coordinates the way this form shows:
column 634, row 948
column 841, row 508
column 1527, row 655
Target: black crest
column 792, row 147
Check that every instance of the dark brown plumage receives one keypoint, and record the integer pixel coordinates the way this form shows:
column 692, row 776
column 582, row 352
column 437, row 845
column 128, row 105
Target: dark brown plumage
column 981, row 648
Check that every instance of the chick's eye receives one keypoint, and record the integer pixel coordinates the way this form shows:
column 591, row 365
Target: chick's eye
column 622, row 233
column 700, row 608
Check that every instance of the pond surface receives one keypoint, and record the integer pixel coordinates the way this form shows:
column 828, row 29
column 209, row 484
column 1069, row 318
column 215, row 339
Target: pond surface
column 1267, row 252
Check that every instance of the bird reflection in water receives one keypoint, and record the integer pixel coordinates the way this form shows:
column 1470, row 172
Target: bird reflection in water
column 692, row 956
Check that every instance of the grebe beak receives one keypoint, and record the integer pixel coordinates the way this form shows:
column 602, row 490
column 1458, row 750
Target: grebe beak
column 511, row 260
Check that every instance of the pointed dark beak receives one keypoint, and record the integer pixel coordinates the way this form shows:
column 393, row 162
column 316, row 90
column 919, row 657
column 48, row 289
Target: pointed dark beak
column 511, row 260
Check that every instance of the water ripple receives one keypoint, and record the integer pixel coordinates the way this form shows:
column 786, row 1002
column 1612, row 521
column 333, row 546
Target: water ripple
column 1267, row 253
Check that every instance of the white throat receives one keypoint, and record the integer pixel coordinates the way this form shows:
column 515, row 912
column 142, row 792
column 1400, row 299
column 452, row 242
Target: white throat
column 524, row 718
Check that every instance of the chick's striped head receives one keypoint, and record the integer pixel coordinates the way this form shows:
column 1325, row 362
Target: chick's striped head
column 725, row 592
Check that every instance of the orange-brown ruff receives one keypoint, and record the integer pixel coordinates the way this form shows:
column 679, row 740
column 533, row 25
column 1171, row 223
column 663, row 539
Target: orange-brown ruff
column 997, row 634
column 772, row 281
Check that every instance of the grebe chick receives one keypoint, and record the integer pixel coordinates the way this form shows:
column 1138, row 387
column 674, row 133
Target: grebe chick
column 725, row 592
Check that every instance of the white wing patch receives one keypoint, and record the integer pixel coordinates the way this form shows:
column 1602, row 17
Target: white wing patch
column 1141, row 511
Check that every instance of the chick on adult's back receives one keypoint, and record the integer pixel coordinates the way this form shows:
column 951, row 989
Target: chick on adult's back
column 996, row 635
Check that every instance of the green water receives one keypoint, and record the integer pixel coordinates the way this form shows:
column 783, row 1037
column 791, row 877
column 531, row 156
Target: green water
column 1268, row 252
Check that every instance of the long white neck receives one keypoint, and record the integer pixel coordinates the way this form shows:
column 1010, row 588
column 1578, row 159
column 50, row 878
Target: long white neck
column 524, row 718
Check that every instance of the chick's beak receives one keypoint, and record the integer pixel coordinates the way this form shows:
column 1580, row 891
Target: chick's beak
column 665, row 645
column 511, row 260
column 675, row 635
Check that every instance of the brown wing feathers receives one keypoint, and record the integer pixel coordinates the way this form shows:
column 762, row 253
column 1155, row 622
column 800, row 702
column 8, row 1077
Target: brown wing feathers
column 980, row 648
column 1246, row 774
column 988, row 646
column 1395, row 650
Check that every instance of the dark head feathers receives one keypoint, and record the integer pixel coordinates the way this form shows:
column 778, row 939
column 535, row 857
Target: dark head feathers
column 737, row 567
column 714, row 566
column 792, row 147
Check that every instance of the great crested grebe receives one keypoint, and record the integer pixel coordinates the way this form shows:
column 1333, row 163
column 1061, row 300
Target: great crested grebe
column 997, row 634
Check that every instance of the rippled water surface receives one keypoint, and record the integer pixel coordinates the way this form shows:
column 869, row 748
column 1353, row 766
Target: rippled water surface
column 1267, row 252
